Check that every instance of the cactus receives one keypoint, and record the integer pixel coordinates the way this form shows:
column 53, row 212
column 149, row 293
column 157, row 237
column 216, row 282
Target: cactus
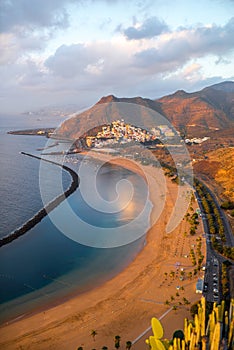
column 218, row 334
column 226, row 324
column 212, row 325
column 222, row 309
column 197, row 329
column 231, row 331
column 216, row 337
column 190, row 327
column 203, row 316
column 154, row 341
column 186, row 330
column 192, row 341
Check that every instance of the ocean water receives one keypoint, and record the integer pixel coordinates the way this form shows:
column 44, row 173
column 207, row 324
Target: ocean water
column 44, row 266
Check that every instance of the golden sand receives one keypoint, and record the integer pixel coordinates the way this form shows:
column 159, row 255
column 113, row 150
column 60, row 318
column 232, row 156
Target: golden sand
column 125, row 304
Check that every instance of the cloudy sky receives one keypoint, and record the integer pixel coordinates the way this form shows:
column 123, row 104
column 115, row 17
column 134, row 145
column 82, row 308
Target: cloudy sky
column 76, row 51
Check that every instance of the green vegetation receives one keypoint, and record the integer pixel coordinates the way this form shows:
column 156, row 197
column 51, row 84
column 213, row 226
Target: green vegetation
column 227, row 205
column 225, row 280
column 214, row 221
column 117, row 341
column 211, row 328
column 128, row 345
column 192, row 256
column 93, row 334
column 197, row 258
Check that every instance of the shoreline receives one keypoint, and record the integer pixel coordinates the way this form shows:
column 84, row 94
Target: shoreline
column 127, row 301
column 47, row 208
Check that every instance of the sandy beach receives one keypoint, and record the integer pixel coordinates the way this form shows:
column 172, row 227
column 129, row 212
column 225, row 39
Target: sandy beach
column 124, row 305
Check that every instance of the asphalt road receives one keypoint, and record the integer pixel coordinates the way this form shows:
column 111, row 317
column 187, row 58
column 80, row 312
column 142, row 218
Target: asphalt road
column 212, row 280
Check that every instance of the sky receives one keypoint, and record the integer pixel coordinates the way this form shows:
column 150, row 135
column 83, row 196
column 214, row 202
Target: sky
column 58, row 52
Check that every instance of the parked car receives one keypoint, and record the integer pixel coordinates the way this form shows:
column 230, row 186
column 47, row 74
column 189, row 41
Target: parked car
column 205, row 287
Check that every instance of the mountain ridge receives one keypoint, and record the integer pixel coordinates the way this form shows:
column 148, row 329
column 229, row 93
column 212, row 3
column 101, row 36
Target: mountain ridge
column 192, row 114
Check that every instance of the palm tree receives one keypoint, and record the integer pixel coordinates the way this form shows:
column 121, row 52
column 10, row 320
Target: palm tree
column 128, row 345
column 93, row 334
column 172, row 298
column 117, row 341
column 186, row 302
column 172, row 274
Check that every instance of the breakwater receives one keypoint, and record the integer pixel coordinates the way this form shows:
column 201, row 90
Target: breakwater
column 46, row 209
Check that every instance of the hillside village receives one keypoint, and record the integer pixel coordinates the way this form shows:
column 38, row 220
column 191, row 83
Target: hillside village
column 119, row 132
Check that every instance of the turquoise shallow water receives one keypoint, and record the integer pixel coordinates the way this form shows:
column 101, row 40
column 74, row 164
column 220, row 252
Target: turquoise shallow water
column 44, row 266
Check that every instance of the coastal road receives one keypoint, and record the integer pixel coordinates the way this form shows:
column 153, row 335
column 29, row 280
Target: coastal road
column 213, row 273
column 227, row 227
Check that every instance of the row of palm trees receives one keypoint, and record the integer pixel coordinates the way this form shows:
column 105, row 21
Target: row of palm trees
column 117, row 339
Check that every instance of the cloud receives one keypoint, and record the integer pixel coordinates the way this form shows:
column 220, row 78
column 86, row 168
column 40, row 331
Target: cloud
column 26, row 26
column 150, row 28
column 191, row 70
column 15, row 46
column 106, row 59
column 123, row 65
column 23, row 14
column 174, row 49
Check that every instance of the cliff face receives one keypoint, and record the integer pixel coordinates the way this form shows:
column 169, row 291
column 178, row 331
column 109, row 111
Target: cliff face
column 195, row 114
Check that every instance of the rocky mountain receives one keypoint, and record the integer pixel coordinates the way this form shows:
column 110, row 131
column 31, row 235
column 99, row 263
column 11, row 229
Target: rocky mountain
column 201, row 112
column 193, row 114
column 138, row 111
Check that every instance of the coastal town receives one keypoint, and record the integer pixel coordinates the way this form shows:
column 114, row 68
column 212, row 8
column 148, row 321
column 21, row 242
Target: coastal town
column 119, row 132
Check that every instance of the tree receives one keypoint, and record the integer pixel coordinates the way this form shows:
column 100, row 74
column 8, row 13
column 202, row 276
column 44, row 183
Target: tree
column 93, row 334
column 172, row 274
column 117, row 341
column 104, row 348
column 194, row 309
column 178, row 334
column 182, row 273
column 128, row 345
column 80, row 348
column 186, row 302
